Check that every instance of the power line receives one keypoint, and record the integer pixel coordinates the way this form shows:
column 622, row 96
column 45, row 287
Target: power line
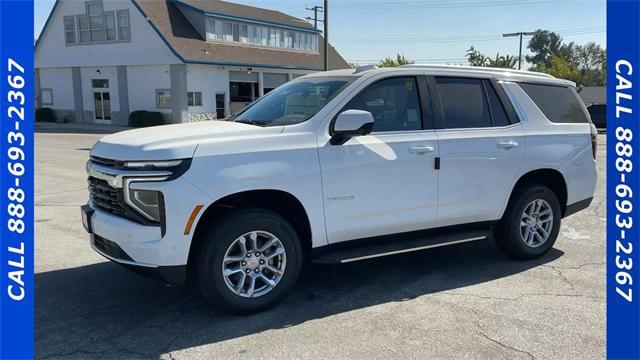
column 316, row 9
column 443, row 4
column 453, row 39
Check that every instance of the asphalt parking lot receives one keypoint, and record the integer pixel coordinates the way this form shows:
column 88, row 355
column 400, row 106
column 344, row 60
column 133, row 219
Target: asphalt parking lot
column 466, row 301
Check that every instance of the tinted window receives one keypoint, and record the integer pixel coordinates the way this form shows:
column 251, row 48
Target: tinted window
column 559, row 104
column 394, row 104
column 463, row 103
column 498, row 114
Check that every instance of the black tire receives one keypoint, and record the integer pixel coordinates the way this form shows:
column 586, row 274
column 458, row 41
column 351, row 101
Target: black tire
column 508, row 235
column 221, row 234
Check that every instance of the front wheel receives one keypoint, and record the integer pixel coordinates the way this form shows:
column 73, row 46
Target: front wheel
column 249, row 261
column 531, row 223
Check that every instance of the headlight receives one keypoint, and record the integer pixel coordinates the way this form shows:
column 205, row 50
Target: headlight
column 147, row 202
column 152, row 164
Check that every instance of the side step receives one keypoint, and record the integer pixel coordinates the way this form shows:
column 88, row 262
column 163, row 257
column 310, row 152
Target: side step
column 356, row 250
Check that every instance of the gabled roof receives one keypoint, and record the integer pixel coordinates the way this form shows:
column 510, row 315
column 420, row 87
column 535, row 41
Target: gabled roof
column 218, row 7
column 189, row 46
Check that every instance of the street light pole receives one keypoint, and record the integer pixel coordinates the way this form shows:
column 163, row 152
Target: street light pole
column 520, row 34
column 326, row 35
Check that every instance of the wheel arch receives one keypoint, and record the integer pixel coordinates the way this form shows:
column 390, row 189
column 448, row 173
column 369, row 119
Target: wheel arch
column 551, row 178
column 281, row 202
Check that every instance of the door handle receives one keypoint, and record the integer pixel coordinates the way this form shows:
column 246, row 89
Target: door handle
column 508, row 144
column 422, row 149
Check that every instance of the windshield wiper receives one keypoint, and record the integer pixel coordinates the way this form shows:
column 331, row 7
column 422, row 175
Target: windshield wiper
column 252, row 122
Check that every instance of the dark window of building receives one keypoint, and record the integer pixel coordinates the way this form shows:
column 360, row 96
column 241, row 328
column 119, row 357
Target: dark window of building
column 245, row 92
column 194, row 98
column 220, row 106
column 464, row 104
column 560, row 104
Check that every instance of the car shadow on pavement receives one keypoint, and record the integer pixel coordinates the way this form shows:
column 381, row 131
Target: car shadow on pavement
column 104, row 311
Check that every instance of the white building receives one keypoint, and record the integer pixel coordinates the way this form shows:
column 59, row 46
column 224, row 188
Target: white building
column 99, row 60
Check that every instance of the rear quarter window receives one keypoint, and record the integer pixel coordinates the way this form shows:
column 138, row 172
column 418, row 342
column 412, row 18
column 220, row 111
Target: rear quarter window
column 560, row 104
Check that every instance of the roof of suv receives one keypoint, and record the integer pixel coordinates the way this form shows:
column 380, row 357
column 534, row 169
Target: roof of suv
column 454, row 70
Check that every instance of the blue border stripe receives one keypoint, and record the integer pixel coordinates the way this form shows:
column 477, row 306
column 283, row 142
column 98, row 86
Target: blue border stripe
column 623, row 299
column 16, row 299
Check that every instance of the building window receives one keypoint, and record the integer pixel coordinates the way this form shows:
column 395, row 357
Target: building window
column 97, row 25
column 94, row 7
column 100, row 83
column 46, row 97
column 163, row 99
column 240, row 32
column 194, row 98
column 124, row 27
column 69, row 30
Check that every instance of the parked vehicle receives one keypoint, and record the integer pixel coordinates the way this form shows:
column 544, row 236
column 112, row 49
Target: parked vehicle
column 344, row 166
column 598, row 113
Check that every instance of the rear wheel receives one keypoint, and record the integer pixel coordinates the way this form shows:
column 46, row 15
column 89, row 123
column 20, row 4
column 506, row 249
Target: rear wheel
column 531, row 223
column 249, row 260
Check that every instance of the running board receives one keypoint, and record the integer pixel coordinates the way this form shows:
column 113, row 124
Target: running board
column 362, row 250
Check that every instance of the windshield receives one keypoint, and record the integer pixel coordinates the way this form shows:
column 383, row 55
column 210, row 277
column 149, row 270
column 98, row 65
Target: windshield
column 294, row 102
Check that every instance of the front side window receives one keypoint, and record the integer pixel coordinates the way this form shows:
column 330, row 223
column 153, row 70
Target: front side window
column 560, row 104
column 294, row 102
column 163, row 99
column 394, row 104
column 464, row 104
column 194, row 98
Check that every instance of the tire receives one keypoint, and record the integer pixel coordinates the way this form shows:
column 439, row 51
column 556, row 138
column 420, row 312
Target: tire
column 223, row 241
column 511, row 235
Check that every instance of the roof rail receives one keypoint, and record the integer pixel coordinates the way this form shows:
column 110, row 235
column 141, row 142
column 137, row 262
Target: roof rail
column 477, row 68
column 363, row 68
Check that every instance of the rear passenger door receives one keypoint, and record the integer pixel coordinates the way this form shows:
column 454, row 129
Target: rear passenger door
column 481, row 145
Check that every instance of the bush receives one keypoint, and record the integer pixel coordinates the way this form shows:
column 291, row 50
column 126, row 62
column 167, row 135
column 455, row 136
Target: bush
column 143, row 118
column 45, row 115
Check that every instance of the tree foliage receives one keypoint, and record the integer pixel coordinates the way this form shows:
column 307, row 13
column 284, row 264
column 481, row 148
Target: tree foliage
column 398, row 61
column 476, row 58
column 583, row 64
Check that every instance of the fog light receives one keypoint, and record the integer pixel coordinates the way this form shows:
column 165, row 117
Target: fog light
column 147, row 202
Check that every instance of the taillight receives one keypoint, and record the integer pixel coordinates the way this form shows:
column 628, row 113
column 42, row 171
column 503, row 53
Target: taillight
column 594, row 140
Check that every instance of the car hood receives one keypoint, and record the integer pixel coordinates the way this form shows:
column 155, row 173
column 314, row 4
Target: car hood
column 178, row 141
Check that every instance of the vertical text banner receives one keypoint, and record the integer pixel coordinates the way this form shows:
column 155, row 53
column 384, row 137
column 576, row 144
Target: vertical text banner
column 16, row 184
column 623, row 179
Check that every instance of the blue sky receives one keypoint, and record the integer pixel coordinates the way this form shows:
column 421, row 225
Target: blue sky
column 435, row 30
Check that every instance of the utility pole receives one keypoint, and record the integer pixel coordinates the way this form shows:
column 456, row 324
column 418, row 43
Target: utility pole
column 520, row 34
column 326, row 35
column 316, row 9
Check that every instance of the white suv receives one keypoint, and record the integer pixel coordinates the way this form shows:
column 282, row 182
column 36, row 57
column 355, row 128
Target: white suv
column 342, row 166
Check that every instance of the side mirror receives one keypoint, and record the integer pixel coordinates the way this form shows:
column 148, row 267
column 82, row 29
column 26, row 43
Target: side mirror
column 351, row 123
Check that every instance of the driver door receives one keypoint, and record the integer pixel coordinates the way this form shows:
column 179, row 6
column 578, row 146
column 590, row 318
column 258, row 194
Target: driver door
column 385, row 182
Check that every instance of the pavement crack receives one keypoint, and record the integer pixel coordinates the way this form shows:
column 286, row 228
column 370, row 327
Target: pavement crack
column 483, row 333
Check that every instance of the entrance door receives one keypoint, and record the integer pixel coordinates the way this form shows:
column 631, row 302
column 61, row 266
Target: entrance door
column 102, row 103
column 101, row 100
column 220, row 106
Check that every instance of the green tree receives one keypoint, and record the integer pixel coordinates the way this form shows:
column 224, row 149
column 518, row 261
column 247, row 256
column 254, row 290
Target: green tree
column 476, row 58
column 398, row 61
column 543, row 44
